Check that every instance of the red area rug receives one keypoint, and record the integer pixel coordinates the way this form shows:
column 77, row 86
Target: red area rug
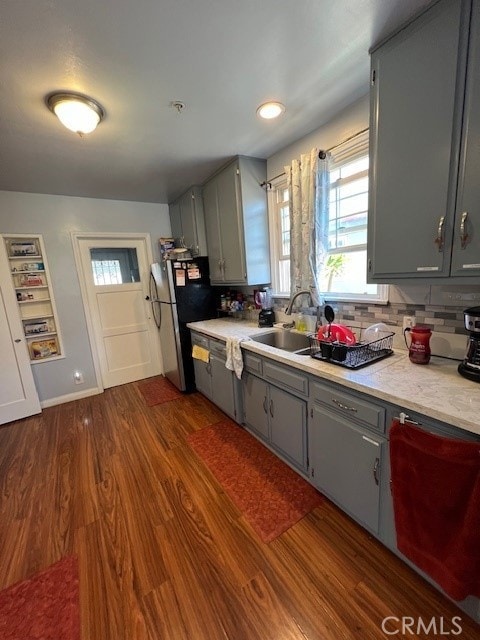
column 270, row 495
column 45, row 606
column 158, row 390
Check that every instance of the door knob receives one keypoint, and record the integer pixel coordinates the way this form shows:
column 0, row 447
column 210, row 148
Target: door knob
column 147, row 297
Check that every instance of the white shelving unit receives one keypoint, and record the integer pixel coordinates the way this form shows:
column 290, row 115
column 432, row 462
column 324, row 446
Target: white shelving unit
column 31, row 280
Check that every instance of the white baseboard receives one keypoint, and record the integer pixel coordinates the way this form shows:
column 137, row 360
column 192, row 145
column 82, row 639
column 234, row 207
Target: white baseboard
column 70, row 396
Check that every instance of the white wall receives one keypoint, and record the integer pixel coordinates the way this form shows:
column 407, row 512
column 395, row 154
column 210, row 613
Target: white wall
column 347, row 122
column 55, row 217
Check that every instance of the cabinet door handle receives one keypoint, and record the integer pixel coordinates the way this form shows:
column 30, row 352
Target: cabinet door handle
column 265, row 404
column 375, row 470
column 209, row 368
column 344, row 406
column 271, row 408
column 439, row 238
column 463, row 230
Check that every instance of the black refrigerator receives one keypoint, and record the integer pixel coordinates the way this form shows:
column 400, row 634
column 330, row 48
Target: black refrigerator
column 180, row 292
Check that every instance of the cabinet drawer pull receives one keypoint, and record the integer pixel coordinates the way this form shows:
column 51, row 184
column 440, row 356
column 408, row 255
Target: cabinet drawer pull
column 439, row 238
column 375, row 470
column 271, row 408
column 265, row 404
column 463, row 230
column 344, row 406
column 371, row 441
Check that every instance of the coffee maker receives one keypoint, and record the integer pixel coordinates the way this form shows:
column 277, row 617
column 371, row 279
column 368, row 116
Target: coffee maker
column 266, row 317
column 470, row 367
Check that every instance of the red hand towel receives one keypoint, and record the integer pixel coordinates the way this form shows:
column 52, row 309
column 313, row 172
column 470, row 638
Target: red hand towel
column 436, row 499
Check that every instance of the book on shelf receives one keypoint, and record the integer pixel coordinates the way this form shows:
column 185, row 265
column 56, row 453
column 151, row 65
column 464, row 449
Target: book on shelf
column 43, row 348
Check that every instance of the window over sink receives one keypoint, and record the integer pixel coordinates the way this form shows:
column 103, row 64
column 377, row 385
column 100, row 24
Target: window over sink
column 345, row 275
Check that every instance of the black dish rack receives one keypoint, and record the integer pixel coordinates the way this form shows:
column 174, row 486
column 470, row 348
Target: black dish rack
column 352, row 356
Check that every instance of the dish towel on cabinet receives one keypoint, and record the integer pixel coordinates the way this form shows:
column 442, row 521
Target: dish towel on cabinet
column 234, row 360
column 436, row 500
column 200, row 353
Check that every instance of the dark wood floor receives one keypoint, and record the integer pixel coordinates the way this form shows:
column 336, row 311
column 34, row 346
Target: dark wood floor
column 163, row 552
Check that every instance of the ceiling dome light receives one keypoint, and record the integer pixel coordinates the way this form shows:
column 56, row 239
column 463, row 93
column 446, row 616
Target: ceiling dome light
column 78, row 113
column 270, row 110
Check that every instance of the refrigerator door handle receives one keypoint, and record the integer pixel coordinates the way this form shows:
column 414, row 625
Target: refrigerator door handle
column 153, row 298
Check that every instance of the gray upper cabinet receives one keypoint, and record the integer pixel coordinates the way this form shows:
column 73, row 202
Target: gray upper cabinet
column 417, row 94
column 175, row 220
column 466, row 237
column 237, row 224
column 188, row 222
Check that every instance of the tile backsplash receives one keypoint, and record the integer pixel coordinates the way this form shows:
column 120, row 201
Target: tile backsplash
column 439, row 307
column 437, row 317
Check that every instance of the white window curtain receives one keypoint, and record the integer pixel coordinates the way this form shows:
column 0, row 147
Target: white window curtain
column 307, row 181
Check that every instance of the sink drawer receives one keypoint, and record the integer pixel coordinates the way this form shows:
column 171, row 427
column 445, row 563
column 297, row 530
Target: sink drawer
column 218, row 347
column 363, row 411
column 288, row 378
column 252, row 363
column 200, row 340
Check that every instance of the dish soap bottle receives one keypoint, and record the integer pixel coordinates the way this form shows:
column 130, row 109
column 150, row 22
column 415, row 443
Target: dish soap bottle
column 300, row 323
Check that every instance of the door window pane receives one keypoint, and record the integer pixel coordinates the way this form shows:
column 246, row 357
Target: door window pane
column 114, row 266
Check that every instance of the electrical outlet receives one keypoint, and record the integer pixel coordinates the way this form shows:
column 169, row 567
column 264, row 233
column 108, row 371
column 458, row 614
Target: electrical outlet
column 78, row 377
column 408, row 322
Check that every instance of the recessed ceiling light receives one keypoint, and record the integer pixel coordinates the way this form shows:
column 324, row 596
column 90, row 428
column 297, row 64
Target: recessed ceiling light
column 76, row 112
column 270, row 110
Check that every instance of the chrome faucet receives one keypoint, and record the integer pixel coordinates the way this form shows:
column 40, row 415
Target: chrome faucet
column 305, row 292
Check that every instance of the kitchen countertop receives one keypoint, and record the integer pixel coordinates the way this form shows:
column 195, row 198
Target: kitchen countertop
column 435, row 390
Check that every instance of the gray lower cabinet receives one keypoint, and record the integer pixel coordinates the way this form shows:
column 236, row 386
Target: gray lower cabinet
column 346, row 447
column 223, row 385
column 213, row 379
column 278, row 417
column 346, row 464
column 203, row 380
column 255, row 405
column 417, row 125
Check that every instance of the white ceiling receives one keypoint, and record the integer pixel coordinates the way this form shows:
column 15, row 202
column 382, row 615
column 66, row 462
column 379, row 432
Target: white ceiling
column 221, row 57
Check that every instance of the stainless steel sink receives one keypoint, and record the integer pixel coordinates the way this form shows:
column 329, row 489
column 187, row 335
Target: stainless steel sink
column 286, row 340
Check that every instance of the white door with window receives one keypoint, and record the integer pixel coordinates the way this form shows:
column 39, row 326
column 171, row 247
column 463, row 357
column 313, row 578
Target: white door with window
column 114, row 274
column 18, row 395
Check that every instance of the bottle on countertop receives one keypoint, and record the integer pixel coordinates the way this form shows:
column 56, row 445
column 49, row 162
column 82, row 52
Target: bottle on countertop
column 300, row 324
